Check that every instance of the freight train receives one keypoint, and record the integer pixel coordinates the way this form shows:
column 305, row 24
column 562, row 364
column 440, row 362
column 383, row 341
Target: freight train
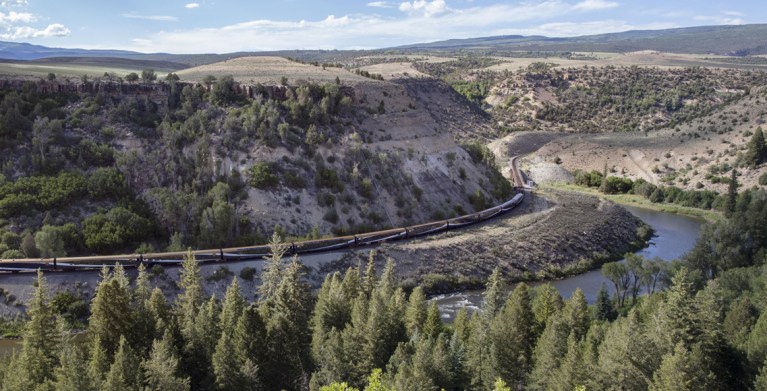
column 262, row 251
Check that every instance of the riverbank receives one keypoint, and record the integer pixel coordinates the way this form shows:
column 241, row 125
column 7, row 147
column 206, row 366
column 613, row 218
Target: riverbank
column 674, row 235
column 637, row 201
column 553, row 234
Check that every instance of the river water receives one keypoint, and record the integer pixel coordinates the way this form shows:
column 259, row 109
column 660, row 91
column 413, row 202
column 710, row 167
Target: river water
column 674, row 236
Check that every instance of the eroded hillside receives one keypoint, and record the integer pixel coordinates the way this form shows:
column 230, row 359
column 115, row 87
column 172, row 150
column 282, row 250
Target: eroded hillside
column 222, row 163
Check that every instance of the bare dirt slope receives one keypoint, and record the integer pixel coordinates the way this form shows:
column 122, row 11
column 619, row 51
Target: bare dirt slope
column 684, row 156
column 408, row 126
column 550, row 233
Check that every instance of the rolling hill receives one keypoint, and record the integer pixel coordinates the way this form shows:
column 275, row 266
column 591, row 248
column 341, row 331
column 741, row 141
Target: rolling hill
column 724, row 40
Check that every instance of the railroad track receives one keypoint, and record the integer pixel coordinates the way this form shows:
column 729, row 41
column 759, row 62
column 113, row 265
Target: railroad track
column 234, row 254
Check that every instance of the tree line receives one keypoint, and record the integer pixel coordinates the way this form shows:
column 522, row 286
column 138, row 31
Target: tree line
column 361, row 330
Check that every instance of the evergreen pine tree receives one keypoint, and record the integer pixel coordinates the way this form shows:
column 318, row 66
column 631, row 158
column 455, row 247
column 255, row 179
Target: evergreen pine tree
column 112, row 314
column 603, row 308
column 547, row 302
column 227, row 364
column 233, row 306
column 739, row 321
column 72, row 373
column 144, row 323
column 495, row 293
column 14, row 377
column 369, row 281
column 190, row 282
column 512, row 336
column 732, row 194
column 272, row 275
column 549, row 351
column 677, row 316
column 42, row 336
column 98, row 365
column 478, row 354
column 433, row 326
column 627, row 356
column 757, row 150
column 572, row 371
column 124, row 374
column 160, row 311
column 161, row 371
column 415, row 315
column 674, row 372
column 577, row 314
column 288, row 338
column 251, row 345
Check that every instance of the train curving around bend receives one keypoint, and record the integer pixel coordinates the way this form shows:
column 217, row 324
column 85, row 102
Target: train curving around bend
column 262, row 251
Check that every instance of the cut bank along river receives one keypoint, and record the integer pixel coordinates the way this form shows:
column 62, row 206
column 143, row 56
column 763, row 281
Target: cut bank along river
column 674, row 236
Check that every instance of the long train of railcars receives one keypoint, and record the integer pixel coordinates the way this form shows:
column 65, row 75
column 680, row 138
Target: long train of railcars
column 258, row 252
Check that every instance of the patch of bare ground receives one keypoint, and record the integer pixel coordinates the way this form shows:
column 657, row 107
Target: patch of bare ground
column 521, row 143
column 394, row 70
column 547, row 236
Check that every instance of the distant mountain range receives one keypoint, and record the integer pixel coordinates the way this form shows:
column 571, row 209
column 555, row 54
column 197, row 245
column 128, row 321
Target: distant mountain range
column 27, row 51
column 723, row 40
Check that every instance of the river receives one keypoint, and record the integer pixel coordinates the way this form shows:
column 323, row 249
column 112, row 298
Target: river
column 674, row 236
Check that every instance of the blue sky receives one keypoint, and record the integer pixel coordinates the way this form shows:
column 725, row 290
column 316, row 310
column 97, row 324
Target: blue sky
column 222, row 26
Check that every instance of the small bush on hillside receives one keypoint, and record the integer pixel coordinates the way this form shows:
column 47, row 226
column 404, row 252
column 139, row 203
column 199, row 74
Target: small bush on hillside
column 248, row 273
column 763, row 179
column 261, row 176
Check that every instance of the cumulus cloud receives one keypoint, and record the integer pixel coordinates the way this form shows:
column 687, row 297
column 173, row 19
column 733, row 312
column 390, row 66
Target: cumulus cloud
column 192, row 5
column 16, row 25
column 424, row 7
column 25, row 32
column 16, row 17
column 591, row 5
column 422, row 21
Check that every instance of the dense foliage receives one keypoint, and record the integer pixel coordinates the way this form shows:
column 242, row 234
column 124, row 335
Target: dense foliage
column 702, row 199
column 543, row 96
column 187, row 163
column 706, row 330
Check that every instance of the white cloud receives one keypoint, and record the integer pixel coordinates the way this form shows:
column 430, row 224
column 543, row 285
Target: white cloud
column 192, row 5
column 24, row 32
column 15, row 25
column 159, row 18
column 424, row 7
column 13, row 3
column 734, row 13
column 591, row 5
column 728, row 20
column 424, row 21
column 380, row 4
column 16, row 17
column 570, row 29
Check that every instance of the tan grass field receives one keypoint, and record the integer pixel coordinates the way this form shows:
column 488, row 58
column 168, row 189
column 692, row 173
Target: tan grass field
column 36, row 71
column 644, row 58
column 268, row 70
